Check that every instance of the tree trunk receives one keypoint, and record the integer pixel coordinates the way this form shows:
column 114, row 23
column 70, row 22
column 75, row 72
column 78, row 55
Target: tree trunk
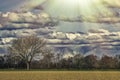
column 28, row 65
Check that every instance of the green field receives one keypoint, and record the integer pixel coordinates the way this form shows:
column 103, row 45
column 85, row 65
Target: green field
column 59, row 75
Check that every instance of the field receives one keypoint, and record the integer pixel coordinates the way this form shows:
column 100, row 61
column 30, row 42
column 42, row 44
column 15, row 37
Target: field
column 59, row 75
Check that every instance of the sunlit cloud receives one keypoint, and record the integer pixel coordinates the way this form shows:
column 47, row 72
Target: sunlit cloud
column 74, row 12
column 83, row 9
column 74, row 8
column 112, row 3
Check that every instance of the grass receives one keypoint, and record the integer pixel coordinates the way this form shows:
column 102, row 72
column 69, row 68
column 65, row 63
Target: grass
column 59, row 75
column 13, row 69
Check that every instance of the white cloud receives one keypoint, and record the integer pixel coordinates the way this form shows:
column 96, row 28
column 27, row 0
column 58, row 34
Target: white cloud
column 13, row 16
column 17, row 20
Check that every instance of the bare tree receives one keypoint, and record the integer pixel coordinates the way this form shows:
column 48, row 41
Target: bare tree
column 26, row 48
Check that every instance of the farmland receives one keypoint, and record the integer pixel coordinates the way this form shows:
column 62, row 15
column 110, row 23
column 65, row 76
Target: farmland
column 59, row 75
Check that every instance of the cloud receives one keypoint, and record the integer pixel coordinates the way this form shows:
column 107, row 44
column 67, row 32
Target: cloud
column 98, row 42
column 112, row 3
column 95, row 40
column 73, row 15
column 6, row 33
column 31, row 4
column 110, row 20
column 94, row 37
column 13, row 20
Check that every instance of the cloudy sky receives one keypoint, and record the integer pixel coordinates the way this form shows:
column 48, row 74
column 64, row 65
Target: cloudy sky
column 87, row 14
column 7, row 5
column 10, row 4
column 100, row 19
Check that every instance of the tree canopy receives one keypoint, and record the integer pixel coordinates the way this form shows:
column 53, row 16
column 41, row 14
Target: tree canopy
column 26, row 48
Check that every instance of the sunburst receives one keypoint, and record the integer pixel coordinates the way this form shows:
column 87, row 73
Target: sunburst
column 79, row 11
column 88, row 9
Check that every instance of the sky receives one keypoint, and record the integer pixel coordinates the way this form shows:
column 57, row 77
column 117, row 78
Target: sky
column 101, row 17
column 7, row 5
column 10, row 4
column 98, row 13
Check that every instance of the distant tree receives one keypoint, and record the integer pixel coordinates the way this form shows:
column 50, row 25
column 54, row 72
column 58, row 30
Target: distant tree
column 58, row 60
column 26, row 48
column 108, row 62
column 47, row 58
column 90, row 62
column 117, row 57
column 78, row 61
column 2, row 61
column 65, row 63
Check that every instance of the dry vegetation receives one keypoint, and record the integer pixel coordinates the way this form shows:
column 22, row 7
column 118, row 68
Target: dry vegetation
column 59, row 75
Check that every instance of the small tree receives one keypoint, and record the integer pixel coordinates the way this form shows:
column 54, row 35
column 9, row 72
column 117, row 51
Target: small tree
column 26, row 48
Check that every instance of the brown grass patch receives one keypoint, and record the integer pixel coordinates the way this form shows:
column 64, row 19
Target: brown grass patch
column 59, row 75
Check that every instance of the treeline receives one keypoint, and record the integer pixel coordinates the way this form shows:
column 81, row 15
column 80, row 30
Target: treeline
column 79, row 62
column 31, row 52
column 51, row 62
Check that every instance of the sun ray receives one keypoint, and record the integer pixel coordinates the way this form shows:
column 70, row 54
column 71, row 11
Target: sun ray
column 74, row 8
column 78, row 11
